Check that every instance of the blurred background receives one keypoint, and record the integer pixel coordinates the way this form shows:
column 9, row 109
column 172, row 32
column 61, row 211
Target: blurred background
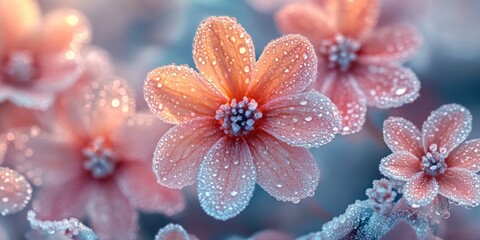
column 140, row 35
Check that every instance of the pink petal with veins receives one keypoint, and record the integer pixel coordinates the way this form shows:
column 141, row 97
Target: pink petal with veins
column 400, row 165
column 401, row 135
column 420, row 190
column 466, row 156
column 460, row 185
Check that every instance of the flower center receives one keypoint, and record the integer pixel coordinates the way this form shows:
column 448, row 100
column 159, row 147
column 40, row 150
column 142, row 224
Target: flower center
column 340, row 51
column 433, row 163
column 237, row 119
column 100, row 160
column 19, row 67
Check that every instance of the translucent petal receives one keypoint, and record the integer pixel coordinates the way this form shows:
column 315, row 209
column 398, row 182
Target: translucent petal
column 466, row 156
column 353, row 17
column 15, row 191
column 401, row 135
column 447, row 127
column 420, row 190
column 172, row 232
column 285, row 172
column 305, row 119
column 64, row 29
column 387, row 86
column 58, row 72
column 181, row 150
column 400, row 165
column 288, row 65
column 138, row 136
column 307, row 20
column 111, row 215
column 226, row 179
column 139, row 185
column 18, row 19
column 177, row 94
column 223, row 51
column 460, row 185
column 395, row 43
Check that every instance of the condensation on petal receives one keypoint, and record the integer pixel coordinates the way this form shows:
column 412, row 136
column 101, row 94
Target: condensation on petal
column 172, row 232
column 15, row 191
column 401, row 135
column 288, row 173
column 180, row 151
column 420, row 190
column 177, row 94
column 62, row 228
column 226, row 179
column 305, row 119
column 460, row 185
column 447, row 127
column 466, row 156
column 400, row 165
column 223, row 51
column 387, row 86
column 288, row 65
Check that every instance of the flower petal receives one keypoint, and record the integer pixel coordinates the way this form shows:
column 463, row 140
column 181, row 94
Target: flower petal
column 58, row 72
column 350, row 101
column 288, row 65
column 394, row 43
column 447, row 127
column 181, row 150
column 68, row 199
column 172, row 232
column 177, row 94
column 460, row 185
column 387, row 86
column 285, row 172
column 15, row 191
column 17, row 19
column 137, row 138
column 139, row 185
column 466, row 156
column 305, row 119
column 400, row 165
column 420, row 190
column 64, row 29
column 401, row 135
column 28, row 98
column 307, row 20
column 223, row 51
column 226, row 179
column 111, row 215
column 354, row 17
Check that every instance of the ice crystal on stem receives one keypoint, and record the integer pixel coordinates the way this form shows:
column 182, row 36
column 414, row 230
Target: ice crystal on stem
column 71, row 228
column 381, row 196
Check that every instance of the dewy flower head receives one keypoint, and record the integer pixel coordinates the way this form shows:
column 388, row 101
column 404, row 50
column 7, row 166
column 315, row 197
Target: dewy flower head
column 432, row 162
column 239, row 121
column 38, row 56
column 357, row 66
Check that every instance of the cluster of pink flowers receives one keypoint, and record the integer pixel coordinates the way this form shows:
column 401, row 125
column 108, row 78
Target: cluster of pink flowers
column 231, row 124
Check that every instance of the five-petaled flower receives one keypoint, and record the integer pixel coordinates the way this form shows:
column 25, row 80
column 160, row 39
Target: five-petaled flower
column 96, row 161
column 38, row 57
column 430, row 162
column 356, row 66
column 239, row 121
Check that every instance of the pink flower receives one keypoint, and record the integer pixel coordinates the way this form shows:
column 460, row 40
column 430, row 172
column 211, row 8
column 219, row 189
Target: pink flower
column 357, row 66
column 239, row 121
column 97, row 161
column 38, row 56
column 430, row 162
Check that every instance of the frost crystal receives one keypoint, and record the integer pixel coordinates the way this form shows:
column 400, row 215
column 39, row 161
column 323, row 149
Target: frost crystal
column 381, row 196
column 15, row 191
column 71, row 228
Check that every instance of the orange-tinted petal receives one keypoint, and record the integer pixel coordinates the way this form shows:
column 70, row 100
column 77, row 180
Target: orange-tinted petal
column 288, row 65
column 223, row 51
column 401, row 135
column 460, row 185
column 64, row 29
column 307, row 20
column 400, row 165
column 288, row 173
column 420, row 190
column 181, row 150
column 353, row 18
column 466, row 156
column 18, row 19
column 177, row 94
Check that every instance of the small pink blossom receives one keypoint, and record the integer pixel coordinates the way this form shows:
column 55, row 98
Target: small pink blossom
column 434, row 162
column 239, row 121
column 357, row 64
column 96, row 161
column 38, row 55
